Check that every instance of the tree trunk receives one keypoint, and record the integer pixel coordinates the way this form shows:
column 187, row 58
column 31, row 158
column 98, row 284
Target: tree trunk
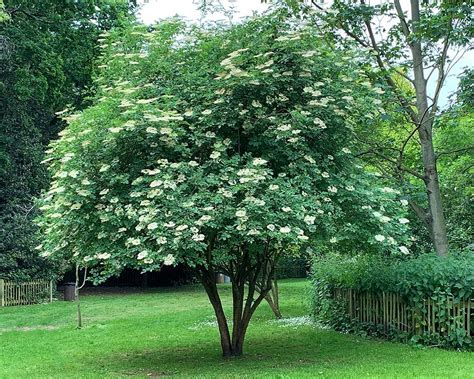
column 238, row 288
column 242, row 309
column 425, row 132
column 210, row 286
column 272, row 298
column 77, row 299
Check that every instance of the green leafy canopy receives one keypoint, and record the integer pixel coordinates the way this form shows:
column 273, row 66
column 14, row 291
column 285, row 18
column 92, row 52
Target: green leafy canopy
column 205, row 140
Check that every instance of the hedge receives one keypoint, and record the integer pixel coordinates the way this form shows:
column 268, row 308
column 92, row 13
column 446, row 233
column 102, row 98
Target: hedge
column 415, row 280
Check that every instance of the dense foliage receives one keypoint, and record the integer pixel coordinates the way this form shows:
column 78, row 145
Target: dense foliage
column 47, row 50
column 416, row 279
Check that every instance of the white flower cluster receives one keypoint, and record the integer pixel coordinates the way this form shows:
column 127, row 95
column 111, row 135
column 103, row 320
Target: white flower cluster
column 231, row 67
column 250, row 175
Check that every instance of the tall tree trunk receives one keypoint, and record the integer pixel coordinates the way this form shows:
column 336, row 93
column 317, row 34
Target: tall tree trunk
column 238, row 288
column 76, row 293
column 78, row 304
column 425, row 132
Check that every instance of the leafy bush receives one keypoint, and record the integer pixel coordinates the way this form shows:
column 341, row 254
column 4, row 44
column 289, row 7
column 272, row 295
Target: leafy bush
column 416, row 280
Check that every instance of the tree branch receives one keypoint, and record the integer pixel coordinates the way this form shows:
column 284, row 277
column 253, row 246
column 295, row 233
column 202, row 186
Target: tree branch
column 421, row 212
column 35, row 17
column 467, row 148
column 441, row 75
column 403, row 22
column 397, row 164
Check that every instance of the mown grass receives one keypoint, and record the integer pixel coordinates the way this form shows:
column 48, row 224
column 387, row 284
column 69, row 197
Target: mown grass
column 169, row 332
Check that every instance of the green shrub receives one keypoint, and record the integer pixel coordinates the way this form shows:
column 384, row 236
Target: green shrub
column 415, row 280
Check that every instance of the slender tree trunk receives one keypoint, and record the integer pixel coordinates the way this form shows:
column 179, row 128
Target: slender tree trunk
column 238, row 288
column 77, row 299
column 273, row 300
column 425, row 132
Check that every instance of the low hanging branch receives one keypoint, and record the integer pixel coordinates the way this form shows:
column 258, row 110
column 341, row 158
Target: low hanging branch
column 393, row 161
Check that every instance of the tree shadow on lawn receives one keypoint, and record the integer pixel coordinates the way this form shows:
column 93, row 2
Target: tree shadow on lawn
column 279, row 352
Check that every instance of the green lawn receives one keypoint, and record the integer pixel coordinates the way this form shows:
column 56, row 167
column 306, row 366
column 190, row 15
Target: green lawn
column 170, row 332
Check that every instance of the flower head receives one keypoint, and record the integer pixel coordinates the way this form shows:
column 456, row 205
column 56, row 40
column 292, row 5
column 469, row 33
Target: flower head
column 379, row 238
column 271, row 227
column 309, row 219
column 259, row 161
column 404, row 250
column 241, row 213
column 152, row 226
column 198, row 237
column 169, row 260
column 142, row 254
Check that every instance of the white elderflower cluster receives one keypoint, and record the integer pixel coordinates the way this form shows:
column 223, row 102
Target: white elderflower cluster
column 169, row 260
column 233, row 69
column 250, row 175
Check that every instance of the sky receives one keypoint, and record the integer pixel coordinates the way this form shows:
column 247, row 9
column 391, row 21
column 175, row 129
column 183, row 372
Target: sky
column 154, row 10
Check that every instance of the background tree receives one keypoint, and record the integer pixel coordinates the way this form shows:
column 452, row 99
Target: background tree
column 47, row 50
column 415, row 44
column 222, row 149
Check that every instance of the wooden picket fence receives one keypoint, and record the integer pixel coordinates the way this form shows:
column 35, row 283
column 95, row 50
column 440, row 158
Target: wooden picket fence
column 25, row 293
column 390, row 310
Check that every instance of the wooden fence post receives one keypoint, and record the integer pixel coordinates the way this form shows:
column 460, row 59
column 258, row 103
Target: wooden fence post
column 2, row 293
column 50, row 291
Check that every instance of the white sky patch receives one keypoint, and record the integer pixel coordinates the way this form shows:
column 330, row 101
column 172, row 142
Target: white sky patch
column 155, row 10
column 152, row 11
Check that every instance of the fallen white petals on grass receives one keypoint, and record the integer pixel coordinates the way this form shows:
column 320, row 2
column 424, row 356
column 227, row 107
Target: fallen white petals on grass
column 294, row 322
column 204, row 325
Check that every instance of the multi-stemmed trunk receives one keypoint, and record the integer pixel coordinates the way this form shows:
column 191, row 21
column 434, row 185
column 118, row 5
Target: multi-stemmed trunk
column 246, row 278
